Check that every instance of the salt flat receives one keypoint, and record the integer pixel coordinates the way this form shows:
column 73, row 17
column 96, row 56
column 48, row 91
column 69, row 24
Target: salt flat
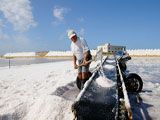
column 46, row 91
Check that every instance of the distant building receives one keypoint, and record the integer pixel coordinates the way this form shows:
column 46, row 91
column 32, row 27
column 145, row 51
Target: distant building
column 108, row 48
column 42, row 53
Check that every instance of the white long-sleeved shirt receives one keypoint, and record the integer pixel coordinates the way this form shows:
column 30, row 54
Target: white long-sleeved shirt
column 79, row 48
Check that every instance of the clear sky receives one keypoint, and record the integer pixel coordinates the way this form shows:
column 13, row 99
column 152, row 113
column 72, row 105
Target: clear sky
column 41, row 25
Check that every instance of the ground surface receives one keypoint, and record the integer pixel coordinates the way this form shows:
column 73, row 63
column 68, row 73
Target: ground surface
column 46, row 91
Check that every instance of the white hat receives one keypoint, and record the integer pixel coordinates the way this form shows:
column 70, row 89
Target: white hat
column 71, row 33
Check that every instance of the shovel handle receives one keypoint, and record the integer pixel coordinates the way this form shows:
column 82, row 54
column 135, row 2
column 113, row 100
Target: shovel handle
column 85, row 63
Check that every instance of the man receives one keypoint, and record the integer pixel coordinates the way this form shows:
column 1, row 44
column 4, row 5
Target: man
column 81, row 53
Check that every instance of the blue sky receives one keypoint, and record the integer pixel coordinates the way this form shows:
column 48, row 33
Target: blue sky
column 41, row 25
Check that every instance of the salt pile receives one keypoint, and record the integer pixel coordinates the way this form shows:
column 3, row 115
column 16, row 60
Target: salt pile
column 104, row 82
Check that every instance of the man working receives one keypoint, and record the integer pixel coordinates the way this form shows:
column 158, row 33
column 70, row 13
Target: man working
column 81, row 53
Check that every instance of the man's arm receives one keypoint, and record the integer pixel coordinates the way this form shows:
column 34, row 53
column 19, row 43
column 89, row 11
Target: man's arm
column 74, row 62
column 87, row 59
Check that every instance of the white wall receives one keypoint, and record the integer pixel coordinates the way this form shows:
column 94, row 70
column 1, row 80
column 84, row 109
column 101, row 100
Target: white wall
column 59, row 53
column 144, row 52
column 21, row 54
column 136, row 52
column 65, row 53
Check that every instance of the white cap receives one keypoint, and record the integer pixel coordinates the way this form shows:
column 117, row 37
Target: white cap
column 71, row 33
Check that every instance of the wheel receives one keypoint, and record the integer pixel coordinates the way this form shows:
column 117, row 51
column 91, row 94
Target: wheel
column 133, row 83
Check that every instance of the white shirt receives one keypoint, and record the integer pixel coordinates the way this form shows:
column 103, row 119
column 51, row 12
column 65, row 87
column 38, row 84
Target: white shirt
column 79, row 48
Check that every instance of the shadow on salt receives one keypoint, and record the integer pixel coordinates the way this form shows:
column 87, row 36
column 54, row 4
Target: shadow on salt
column 68, row 92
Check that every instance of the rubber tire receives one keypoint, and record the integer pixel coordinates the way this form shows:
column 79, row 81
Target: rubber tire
column 133, row 83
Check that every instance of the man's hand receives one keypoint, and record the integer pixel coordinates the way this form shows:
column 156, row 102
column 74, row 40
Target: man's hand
column 75, row 66
column 84, row 63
